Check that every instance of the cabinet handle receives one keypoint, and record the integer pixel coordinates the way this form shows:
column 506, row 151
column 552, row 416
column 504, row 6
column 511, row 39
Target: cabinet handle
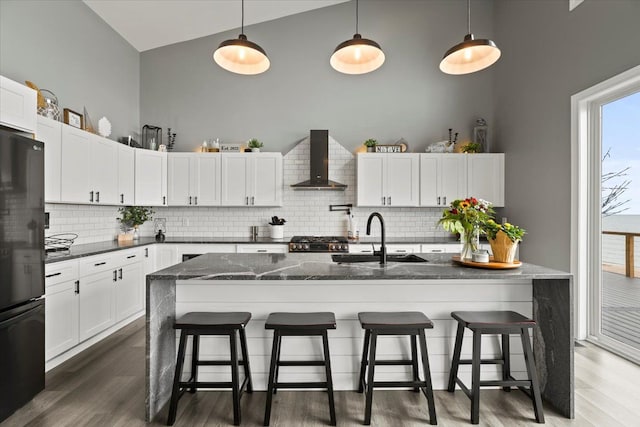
column 146, row 252
column 52, row 275
column 164, row 200
column 131, row 256
column 97, row 197
column 189, row 199
column 120, row 273
column 253, row 200
column 436, row 250
column 438, row 200
column 115, row 275
column 91, row 196
column 77, row 286
column 444, row 200
column 196, row 199
column 99, row 264
column 122, row 198
column 389, row 200
column 246, row 200
column 384, row 200
column 400, row 251
column 262, row 250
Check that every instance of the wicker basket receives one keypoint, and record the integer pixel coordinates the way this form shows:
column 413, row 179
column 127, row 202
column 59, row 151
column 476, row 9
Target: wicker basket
column 504, row 250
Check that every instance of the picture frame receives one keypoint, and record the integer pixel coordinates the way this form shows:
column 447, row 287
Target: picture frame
column 73, row 119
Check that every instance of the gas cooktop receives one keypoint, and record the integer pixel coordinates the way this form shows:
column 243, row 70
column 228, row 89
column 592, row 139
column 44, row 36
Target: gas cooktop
column 318, row 244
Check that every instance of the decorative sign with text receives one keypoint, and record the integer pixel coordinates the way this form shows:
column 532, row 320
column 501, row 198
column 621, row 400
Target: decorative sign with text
column 388, row 149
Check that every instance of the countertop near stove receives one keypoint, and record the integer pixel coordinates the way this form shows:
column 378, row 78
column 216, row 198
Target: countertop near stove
column 89, row 249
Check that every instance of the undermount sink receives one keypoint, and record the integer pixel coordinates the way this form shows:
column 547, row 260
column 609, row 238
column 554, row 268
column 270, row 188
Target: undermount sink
column 349, row 258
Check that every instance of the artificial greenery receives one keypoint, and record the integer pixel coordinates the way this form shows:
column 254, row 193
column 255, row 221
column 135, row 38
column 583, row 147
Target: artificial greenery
column 371, row 142
column 472, row 147
column 133, row 216
column 254, row 143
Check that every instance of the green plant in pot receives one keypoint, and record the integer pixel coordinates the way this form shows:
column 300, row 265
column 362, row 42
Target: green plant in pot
column 134, row 217
column 472, row 147
column 255, row 145
column 371, row 145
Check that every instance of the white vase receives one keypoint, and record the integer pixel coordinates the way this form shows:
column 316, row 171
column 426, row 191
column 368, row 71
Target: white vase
column 255, row 150
column 277, row 231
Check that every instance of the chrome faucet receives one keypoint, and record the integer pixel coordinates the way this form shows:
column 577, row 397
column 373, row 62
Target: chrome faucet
column 383, row 247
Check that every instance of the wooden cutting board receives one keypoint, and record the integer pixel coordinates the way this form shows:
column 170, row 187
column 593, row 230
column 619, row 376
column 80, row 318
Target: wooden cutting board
column 492, row 265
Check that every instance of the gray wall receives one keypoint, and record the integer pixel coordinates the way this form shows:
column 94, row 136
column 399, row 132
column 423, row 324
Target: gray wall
column 408, row 96
column 550, row 54
column 64, row 47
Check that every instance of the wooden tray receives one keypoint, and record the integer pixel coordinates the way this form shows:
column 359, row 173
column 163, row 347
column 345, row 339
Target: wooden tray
column 492, row 265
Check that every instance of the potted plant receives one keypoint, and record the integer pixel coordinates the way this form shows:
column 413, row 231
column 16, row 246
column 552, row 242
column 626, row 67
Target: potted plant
column 134, row 217
column 277, row 227
column 466, row 216
column 371, row 145
column 503, row 239
column 472, row 147
column 255, row 145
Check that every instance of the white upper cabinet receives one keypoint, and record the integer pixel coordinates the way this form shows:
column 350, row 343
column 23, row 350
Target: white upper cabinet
column 443, row 178
column 194, row 179
column 18, row 106
column 103, row 176
column 50, row 132
column 150, row 178
column 74, row 181
column 126, row 175
column 252, row 179
column 485, row 178
column 388, row 179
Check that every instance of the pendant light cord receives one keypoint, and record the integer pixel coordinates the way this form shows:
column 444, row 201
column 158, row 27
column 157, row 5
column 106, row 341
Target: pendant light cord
column 356, row 16
column 242, row 28
column 468, row 16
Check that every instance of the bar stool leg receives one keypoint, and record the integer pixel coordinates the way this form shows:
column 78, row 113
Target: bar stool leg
column 506, row 360
column 414, row 360
column 427, row 378
column 372, row 368
column 272, row 371
column 363, row 364
column 327, row 366
column 175, row 392
column 194, row 362
column 275, row 386
column 245, row 359
column 455, row 362
column 533, row 376
column 475, row 378
column 235, row 382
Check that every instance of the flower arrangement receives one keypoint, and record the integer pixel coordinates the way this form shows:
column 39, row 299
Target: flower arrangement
column 463, row 215
column 491, row 228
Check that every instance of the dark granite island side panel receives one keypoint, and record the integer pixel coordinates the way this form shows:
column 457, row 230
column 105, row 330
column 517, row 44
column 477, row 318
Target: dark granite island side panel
column 552, row 307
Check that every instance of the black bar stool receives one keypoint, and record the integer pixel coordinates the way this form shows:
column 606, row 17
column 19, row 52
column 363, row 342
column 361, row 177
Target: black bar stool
column 197, row 324
column 410, row 323
column 494, row 322
column 299, row 325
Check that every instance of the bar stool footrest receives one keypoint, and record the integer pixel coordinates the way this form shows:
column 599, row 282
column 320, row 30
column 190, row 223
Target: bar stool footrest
column 508, row 383
column 301, row 363
column 218, row 363
column 482, row 362
column 300, row 385
column 396, row 384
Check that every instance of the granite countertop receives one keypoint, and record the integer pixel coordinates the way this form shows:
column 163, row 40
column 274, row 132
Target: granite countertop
column 296, row 266
column 89, row 249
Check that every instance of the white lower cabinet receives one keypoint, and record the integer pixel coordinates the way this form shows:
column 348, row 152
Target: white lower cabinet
column 263, row 249
column 97, row 308
column 129, row 291
column 61, row 308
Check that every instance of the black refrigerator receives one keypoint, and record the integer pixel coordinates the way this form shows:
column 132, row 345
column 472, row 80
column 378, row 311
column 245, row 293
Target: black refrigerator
column 21, row 271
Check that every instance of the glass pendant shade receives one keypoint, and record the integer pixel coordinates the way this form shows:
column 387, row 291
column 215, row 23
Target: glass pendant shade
column 241, row 56
column 470, row 56
column 357, row 56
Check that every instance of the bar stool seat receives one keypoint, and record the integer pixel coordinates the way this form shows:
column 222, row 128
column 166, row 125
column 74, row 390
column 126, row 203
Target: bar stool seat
column 494, row 322
column 196, row 324
column 408, row 323
column 298, row 325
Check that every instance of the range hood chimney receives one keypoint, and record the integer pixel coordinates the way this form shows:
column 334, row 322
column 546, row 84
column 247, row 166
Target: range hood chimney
column 319, row 165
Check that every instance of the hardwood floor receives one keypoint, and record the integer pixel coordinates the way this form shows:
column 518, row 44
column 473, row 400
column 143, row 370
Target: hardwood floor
column 104, row 386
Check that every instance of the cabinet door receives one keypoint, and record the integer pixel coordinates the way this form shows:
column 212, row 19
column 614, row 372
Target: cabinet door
column 206, row 175
column 235, row 179
column 103, row 161
column 486, row 177
column 126, row 175
column 178, row 179
column 370, row 179
column 167, row 255
column 452, row 178
column 75, row 173
column 17, row 105
column 96, row 303
column 50, row 132
column 129, row 291
column 61, row 318
column 150, row 178
column 149, row 260
column 402, row 180
column 266, row 179
column 429, row 180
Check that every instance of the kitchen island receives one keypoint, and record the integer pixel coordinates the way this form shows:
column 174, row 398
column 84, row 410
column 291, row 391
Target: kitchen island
column 263, row 283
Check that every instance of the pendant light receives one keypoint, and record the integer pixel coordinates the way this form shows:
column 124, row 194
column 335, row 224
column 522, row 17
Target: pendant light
column 241, row 56
column 358, row 55
column 471, row 55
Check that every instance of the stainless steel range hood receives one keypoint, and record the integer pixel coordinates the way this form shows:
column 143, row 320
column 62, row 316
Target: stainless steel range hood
column 319, row 165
